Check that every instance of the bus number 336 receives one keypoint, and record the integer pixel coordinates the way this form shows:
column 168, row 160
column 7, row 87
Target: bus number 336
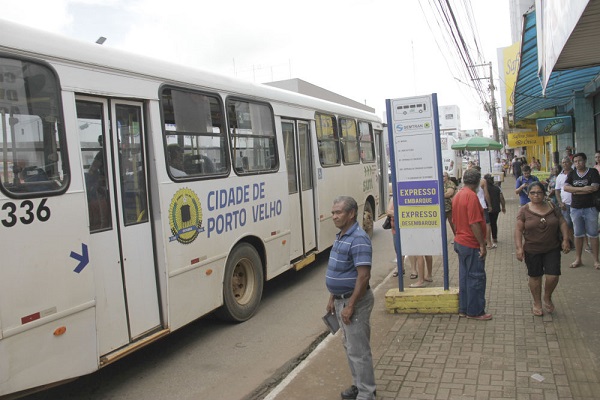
column 26, row 212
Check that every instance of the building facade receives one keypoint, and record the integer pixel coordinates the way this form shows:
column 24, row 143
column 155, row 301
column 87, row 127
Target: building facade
column 559, row 72
column 449, row 120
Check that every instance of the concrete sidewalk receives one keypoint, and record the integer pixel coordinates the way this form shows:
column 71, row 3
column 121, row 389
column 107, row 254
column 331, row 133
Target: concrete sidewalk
column 442, row 356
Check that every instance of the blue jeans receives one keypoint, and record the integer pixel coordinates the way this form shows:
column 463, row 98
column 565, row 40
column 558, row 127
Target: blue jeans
column 471, row 281
column 567, row 215
column 357, row 342
column 585, row 222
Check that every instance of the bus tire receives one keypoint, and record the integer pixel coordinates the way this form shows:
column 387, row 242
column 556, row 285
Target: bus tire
column 242, row 284
column 367, row 223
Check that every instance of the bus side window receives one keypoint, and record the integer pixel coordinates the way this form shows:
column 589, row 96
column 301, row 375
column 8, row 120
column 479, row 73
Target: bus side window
column 32, row 145
column 252, row 136
column 194, row 122
column 367, row 144
column 349, row 141
column 327, row 140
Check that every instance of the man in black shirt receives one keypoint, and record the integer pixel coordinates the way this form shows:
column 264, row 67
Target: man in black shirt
column 582, row 182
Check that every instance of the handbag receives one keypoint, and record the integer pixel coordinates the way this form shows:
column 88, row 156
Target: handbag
column 387, row 224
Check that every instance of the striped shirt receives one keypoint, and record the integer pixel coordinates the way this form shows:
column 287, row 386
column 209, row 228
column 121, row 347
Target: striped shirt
column 351, row 250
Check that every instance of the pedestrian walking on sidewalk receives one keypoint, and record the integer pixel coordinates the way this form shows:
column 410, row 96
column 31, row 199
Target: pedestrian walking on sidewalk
column 537, row 242
column 498, row 204
column 469, row 244
column 516, row 167
column 483, row 195
column 522, row 184
column 563, row 198
column 351, row 298
column 582, row 182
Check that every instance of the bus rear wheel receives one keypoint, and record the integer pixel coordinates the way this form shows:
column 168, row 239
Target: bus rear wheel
column 242, row 284
column 367, row 224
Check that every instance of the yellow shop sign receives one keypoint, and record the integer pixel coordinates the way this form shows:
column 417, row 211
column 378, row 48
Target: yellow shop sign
column 522, row 139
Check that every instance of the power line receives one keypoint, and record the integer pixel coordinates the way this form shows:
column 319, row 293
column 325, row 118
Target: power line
column 473, row 24
column 443, row 53
column 449, row 17
column 445, row 33
column 459, row 31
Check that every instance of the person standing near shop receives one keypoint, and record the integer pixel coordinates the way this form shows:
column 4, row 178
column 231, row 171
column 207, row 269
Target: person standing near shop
column 483, row 195
column 554, row 172
column 469, row 244
column 569, row 153
column 516, row 167
column 351, row 298
column 563, row 198
column 498, row 204
column 582, row 182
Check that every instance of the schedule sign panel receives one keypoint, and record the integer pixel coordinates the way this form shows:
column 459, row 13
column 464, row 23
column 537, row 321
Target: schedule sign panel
column 415, row 154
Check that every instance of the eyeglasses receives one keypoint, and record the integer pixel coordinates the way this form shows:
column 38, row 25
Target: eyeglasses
column 536, row 193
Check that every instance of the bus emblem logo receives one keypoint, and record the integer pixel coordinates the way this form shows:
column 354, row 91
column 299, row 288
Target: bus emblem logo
column 185, row 216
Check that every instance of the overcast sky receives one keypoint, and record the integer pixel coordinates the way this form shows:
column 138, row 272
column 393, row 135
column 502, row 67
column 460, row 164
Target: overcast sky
column 367, row 50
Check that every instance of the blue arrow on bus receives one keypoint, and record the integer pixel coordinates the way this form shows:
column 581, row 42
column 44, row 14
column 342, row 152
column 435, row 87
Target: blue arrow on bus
column 83, row 258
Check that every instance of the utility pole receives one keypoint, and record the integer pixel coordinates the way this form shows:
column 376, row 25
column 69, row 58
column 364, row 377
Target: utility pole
column 491, row 108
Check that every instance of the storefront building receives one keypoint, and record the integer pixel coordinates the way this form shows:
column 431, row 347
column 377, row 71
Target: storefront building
column 559, row 75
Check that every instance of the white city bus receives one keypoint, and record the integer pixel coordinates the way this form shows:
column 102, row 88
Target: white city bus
column 137, row 196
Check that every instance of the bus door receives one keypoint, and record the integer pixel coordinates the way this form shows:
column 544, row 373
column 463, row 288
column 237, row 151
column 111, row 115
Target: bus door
column 383, row 172
column 121, row 247
column 296, row 139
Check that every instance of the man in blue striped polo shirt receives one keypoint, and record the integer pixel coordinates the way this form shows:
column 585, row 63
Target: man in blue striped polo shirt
column 351, row 298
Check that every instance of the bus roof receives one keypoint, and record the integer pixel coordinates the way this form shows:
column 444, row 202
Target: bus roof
column 31, row 42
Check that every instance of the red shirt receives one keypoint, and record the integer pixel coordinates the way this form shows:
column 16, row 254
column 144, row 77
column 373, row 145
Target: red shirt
column 467, row 210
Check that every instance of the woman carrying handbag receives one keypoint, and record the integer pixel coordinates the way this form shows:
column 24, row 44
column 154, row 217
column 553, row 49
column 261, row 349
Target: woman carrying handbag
column 538, row 241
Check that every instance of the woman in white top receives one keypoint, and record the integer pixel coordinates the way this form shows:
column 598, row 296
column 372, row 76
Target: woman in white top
column 484, row 199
